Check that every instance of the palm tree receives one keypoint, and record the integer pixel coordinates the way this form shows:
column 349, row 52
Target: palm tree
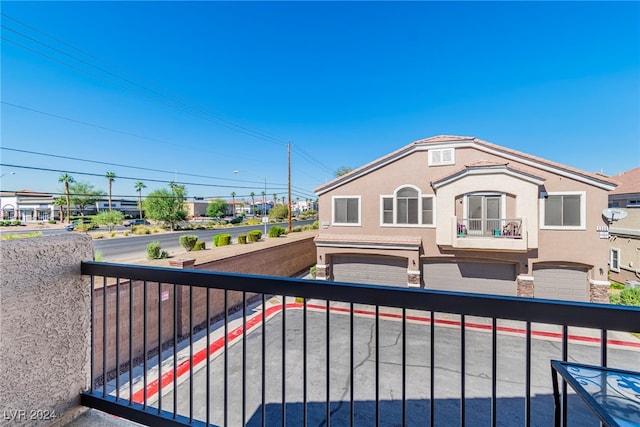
column 67, row 179
column 139, row 186
column 111, row 177
column 275, row 199
column 264, row 203
column 233, row 197
column 59, row 202
column 253, row 203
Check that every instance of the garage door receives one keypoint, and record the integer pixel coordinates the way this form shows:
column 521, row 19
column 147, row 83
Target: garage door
column 375, row 270
column 560, row 282
column 476, row 277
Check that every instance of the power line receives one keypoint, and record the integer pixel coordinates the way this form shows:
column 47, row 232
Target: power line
column 176, row 102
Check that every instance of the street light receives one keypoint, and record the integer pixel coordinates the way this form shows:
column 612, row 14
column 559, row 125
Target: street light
column 7, row 173
column 264, row 198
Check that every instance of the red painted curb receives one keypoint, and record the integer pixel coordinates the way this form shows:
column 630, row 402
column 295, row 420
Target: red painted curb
column 167, row 378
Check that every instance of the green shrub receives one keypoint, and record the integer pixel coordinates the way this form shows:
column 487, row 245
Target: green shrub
column 616, row 285
column 224, row 239
column 276, row 231
column 254, row 236
column 312, row 271
column 52, row 221
column 254, row 222
column 630, row 296
column 97, row 256
column 315, row 225
column 154, row 251
column 242, row 239
column 199, row 246
column 113, row 234
column 296, row 229
column 188, row 241
column 308, row 227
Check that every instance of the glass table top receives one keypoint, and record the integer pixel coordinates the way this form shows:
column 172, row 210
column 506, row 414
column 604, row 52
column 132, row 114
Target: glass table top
column 614, row 394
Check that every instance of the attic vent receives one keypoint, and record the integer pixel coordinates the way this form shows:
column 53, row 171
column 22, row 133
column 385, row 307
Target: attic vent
column 444, row 156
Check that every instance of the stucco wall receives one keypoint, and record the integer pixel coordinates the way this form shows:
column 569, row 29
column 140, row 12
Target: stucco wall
column 45, row 328
column 283, row 260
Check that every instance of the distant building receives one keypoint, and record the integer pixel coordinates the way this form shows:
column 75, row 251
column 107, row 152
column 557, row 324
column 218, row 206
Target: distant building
column 27, row 206
column 624, row 233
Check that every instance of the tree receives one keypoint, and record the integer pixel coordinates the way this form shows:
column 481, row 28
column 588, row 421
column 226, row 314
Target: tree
column 342, row 170
column 279, row 212
column 109, row 218
column 83, row 195
column 233, row 197
column 217, row 208
column 67, row 179
column 139, row 186
column 166, row 205
column 253, row 203
column 111, row 177
column 275, row 199
column 59, row 202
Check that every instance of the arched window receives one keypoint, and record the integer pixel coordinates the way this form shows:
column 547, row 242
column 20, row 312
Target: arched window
column 407, row 207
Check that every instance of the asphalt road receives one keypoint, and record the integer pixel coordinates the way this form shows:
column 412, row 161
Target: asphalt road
column 133, row 247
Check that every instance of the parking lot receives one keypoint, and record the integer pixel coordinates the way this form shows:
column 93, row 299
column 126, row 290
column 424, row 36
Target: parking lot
column 510, row 384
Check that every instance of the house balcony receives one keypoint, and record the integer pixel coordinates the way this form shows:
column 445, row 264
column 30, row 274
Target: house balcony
column 170, row 347
column 490, row 234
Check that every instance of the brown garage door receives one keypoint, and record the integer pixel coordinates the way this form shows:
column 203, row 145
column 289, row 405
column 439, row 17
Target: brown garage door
column 476, row 277
column 560, row 282
column 374, row 270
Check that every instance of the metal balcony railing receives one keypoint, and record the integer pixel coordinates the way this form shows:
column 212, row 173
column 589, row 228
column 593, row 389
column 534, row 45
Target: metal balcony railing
column 498, row 228
column 189, row 347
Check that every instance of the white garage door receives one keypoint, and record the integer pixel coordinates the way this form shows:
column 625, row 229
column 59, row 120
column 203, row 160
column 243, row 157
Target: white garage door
column 374, row 270
column 476, row 277
column 560, row 282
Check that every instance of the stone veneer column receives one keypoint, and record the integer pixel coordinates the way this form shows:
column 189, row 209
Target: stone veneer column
column 525, row 286
column 45, row 346
column 413, row 278
column 599, row 291
column 322, row 272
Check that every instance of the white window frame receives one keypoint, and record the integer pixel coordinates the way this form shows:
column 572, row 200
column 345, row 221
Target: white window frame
column 441, row 151
column 611, row 267
column 346, row 224
column 583, row 210
column 503, row 203
column 395, row 208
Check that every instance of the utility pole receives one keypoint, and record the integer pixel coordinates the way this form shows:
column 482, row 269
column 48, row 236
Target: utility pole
column 289, row 182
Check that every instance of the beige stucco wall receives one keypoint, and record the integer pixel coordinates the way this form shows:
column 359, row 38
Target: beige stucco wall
column 45, row 327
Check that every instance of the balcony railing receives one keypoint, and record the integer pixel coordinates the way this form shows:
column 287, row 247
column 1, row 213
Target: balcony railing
column 494, row 228
column 188, row 347
column 490, row 234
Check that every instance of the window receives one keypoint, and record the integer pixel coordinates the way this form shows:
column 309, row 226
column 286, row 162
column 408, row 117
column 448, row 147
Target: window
column 407, row 207
column 563, row 210
column 443, row 156
column 614, row 260
column 346, row 210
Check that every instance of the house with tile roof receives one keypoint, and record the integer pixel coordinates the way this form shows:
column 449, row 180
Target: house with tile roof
column 624, row 233
column 462, row 214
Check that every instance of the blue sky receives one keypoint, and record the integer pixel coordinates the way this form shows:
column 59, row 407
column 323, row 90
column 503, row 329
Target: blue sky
column 191, row 91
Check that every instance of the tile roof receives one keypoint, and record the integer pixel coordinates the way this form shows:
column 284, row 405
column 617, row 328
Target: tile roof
column 629, row 182
column 439, row 139
column 368, row 239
